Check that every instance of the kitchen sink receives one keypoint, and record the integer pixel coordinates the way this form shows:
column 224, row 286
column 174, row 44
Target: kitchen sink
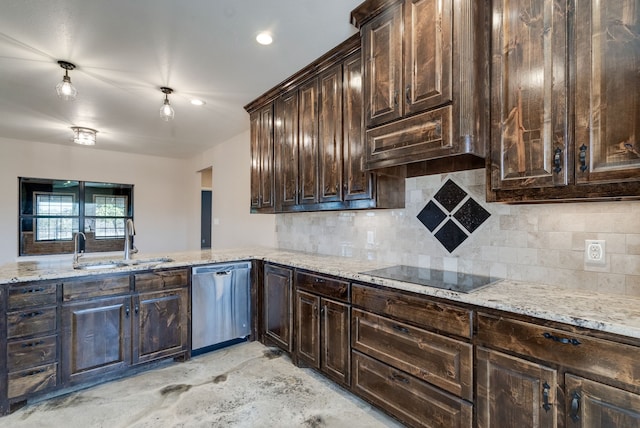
column 98, row 265
column 112, row 264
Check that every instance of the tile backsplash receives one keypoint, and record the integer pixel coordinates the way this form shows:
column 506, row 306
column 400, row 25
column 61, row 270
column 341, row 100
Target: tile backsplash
column 539, row 243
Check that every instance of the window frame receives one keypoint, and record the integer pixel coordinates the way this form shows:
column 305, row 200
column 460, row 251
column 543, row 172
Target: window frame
column 83, row 215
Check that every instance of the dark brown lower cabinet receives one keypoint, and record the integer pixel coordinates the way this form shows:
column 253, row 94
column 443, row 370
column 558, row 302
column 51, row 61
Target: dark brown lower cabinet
column 596, row 405
column 162, row 320
column 96, row 338
column 414, row 402
column 277, row 305
column 322, row 335
column 513, row 392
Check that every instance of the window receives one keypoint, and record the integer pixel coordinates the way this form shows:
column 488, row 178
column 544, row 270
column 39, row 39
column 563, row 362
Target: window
column 52, row 211
column 110, row 216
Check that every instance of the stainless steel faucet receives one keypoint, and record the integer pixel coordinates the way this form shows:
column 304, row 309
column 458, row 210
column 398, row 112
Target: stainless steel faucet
column 129, row 231
column 76, row 245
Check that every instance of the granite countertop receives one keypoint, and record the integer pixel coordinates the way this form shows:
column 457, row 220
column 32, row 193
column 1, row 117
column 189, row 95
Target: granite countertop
column 605, row 312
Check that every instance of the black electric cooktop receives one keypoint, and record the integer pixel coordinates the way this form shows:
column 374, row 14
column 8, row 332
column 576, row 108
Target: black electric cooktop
column 454, row 281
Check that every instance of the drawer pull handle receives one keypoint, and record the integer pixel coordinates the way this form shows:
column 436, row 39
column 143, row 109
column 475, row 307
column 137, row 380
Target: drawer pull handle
column 35, row 372
column 318, row 280
column 545, row 397
column 399, row 378
column 401, row 329
column 557, row 161
column 32, row 344
column 565, row 340
column 575, row 407
column 31, row 314
column 583, row 158
column 33, row 290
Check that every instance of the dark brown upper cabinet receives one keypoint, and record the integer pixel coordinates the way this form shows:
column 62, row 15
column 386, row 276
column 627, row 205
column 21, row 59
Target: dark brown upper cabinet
column 565, row 108
column 262, row 179
column 395, row 87
column 425, row 83
column 287, row 154
column 318, row 146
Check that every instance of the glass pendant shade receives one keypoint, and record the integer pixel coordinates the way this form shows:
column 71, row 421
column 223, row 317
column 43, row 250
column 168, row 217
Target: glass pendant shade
column 84, row 136
column 65, row 89
column 166, row 111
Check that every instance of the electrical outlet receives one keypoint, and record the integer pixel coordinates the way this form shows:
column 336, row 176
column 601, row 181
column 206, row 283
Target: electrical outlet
column 594, row 253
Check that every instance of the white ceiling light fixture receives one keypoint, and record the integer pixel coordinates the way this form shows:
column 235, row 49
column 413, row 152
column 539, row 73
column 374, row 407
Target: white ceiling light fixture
column 166, row 111
column 65, row 89
column 264, row 38
column 84, row 136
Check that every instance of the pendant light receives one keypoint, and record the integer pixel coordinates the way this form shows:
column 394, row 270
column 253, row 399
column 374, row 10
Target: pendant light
column 65, row 89
column 84, row 136
column 166, row 111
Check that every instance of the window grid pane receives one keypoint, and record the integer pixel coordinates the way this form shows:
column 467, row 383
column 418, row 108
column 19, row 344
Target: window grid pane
column 54, row 204
column 110, row 212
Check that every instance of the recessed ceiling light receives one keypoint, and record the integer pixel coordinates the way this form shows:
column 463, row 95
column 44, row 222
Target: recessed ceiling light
column 197, row 102
column 264, row 38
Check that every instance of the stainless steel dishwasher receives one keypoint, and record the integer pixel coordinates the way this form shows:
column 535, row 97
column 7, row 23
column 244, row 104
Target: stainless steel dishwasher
column 220, row 305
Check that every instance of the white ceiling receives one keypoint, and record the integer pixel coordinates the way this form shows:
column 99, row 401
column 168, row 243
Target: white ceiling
column 125, row 50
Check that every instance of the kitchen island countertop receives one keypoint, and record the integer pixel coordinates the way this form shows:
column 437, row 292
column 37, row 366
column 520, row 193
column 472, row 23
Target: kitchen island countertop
column 611, row 313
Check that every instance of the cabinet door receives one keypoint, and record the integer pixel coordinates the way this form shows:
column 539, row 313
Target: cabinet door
column 382, row 53
column 512, row 392
column 607, row 109
column 595, row 405
column 336, row 351
column 529, row 102
column 278, row 283
column 308, row 143
column 261, row 124
column 330, row 135
column 357, row 181
column 287, row 150
column 161, row 324
column 96, row 338
column 427, row 45
column 307, row 328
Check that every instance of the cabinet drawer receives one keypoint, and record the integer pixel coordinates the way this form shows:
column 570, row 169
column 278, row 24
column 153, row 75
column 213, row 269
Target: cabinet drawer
column 598, row 356
column 411, row 400
column 323, row 285
column 32, row 380
column 31, row 322
column 414, row 309
column 417, row 138
column 444, row 362
column 32, row 294
column 32, row 352
column 161, row 280
column 95, row 287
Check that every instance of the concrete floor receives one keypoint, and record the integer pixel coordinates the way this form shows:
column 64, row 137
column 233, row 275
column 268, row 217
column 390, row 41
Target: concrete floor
column 246, row 385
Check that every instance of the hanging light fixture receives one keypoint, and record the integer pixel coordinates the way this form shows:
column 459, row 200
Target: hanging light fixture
column 65, row 89
column 84, row 136
column 166, row 111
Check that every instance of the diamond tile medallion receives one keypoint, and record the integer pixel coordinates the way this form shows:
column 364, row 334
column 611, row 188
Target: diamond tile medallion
column 452, row 215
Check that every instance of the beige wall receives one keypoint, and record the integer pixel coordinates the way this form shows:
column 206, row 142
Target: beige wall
column 233, row 225
column 541, row 243
column 163, row 205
